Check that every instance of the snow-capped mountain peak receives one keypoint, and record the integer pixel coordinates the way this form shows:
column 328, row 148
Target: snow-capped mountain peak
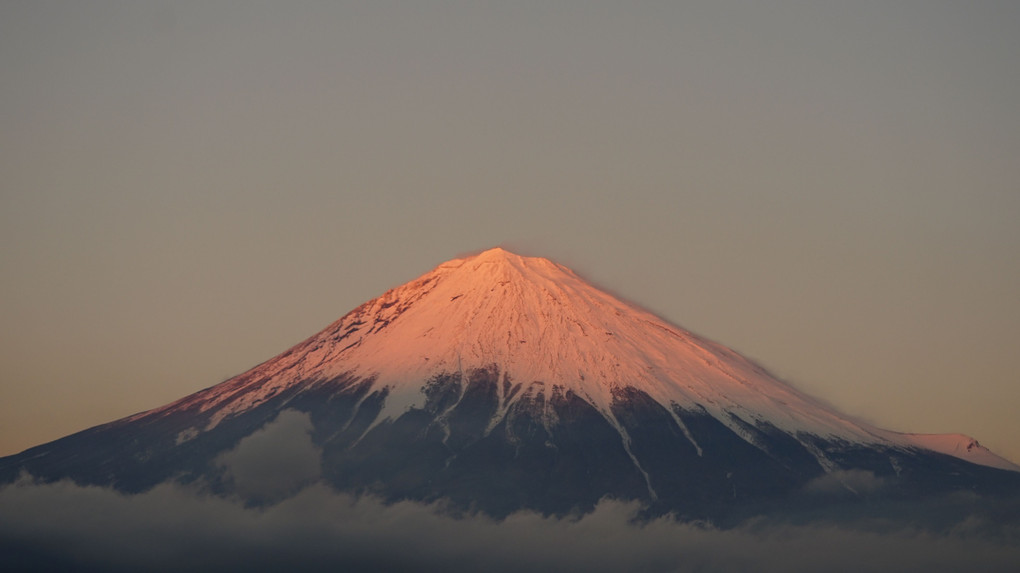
column 507, row 382
column 537, row 322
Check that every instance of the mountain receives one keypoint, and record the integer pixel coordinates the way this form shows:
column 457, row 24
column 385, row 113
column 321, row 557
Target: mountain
column 499, row 382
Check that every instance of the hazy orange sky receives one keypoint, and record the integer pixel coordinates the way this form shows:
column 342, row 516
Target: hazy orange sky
column 831, row 188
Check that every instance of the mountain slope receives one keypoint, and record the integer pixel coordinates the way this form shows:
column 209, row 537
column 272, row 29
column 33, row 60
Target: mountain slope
column 500, row 382
column 537, row 321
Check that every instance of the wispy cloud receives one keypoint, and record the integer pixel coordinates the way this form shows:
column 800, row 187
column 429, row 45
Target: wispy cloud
column 275, row 461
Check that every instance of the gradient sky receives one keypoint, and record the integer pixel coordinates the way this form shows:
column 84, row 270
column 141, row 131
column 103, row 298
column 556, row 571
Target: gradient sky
column 833, row 189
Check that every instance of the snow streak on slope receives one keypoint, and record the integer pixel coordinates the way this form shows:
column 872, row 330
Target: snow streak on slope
column 535, row 321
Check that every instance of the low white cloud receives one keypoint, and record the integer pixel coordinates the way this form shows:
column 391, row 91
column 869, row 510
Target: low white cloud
column 173, row 528
column 275, row 461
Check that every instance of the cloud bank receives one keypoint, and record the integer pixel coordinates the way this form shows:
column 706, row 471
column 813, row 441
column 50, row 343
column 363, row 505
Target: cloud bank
column 171, row 528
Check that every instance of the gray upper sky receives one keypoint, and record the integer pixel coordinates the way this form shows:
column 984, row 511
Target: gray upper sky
column 833, row 189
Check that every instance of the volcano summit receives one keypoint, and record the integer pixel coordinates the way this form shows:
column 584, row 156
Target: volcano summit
column 500, row 382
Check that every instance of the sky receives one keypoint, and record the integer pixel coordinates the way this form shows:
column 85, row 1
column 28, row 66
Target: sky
column 190, row 188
